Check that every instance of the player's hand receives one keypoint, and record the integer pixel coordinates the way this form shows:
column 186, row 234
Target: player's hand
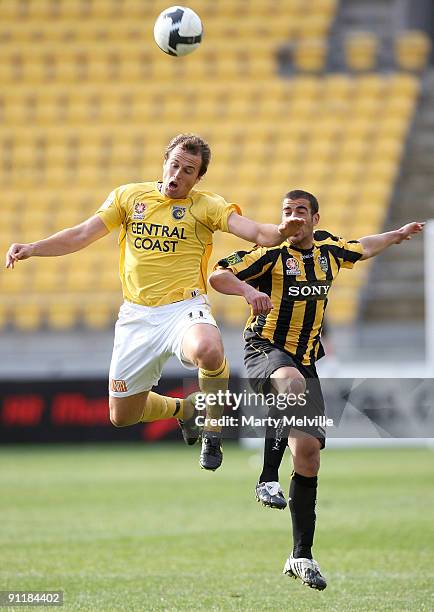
column 17, row 252
column 290, row 227
column 260, row 302
column 406, row 231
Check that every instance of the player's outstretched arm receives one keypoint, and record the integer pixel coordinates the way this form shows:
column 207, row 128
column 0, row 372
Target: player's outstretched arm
column 64, row 242
column 373, row 245
column 225, row 281
column 263, row 234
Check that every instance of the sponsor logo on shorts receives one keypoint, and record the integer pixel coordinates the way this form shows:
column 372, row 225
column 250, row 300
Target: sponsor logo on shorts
column 118, row 386
column 293, row 267
column 139, row 210
column 178, row 212
column 233, row 259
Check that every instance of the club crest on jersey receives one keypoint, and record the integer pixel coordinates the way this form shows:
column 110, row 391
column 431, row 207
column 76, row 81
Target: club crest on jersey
column 323, row 263
column 139, row 210
column 178, row 212
column 293, row 267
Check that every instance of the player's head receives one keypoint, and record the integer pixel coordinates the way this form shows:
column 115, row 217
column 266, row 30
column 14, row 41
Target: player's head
column 300, row 203
column 186, row 160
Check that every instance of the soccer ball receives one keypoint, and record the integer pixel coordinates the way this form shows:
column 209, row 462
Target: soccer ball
column 178, row 31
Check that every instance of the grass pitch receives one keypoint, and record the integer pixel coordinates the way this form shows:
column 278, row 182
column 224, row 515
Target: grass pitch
column 143, row 528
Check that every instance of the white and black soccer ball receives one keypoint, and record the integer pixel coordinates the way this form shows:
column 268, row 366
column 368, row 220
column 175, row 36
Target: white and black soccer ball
column 178, row 31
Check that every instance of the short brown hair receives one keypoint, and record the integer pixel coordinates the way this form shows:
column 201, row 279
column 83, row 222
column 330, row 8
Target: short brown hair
column 193, row 144
column 296, row 194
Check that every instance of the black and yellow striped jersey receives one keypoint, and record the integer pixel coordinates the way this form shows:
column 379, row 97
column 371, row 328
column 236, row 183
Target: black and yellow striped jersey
column 298, row 282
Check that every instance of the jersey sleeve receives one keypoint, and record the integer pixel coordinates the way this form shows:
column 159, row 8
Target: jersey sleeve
column 111, row 212
column 247, row 265
column 349, row 252
column 218, row 213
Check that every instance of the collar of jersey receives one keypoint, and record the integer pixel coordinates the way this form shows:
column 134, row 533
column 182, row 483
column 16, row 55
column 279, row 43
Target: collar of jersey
column 296, row 248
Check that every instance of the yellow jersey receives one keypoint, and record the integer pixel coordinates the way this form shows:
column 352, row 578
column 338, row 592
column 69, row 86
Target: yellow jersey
column 165, row 244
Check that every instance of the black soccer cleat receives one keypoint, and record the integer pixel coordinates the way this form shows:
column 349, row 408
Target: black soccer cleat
column 307, row 570
column 191, row 432
column 211, row 455
column 270, row 494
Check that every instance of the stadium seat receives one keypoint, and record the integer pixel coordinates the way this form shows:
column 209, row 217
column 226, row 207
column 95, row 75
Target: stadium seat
column 310, row 55
column 98, row 316
column 412, row 49
column 27, row 317
column 361, row 51
column 62, row 315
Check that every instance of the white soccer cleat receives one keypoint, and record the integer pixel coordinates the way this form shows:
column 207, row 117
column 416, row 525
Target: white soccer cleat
column 307, row 570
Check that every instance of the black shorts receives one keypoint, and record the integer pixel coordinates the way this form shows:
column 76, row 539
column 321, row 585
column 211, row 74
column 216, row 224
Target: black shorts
column 262, row 358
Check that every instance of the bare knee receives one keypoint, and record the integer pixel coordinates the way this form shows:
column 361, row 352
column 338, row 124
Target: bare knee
column 122, row 415
column 288, row 380
column 208, row 355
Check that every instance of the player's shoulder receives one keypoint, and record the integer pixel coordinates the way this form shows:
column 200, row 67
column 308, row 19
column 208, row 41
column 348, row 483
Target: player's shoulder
column 324, row 236
column 207, row 198
column 133, row 188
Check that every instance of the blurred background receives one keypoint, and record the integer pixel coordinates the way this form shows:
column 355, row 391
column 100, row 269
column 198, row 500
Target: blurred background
column 335, row 97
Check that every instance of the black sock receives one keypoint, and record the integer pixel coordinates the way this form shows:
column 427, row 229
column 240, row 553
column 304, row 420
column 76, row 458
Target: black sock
column 276, row 441
column 302, row 494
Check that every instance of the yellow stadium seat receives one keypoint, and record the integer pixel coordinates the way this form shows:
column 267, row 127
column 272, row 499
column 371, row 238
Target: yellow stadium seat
column 310, row 26
column 412, row 49
column 392, row 127
column 403, row 85
column 361, row 51
column 46, row 279
column 359, row 128
column 375, row 191
column 4, row 317
column 27, row 316
column 346, row 170
column 98, row 315
column 387, row 149
column 62, row 315
column 310, row 55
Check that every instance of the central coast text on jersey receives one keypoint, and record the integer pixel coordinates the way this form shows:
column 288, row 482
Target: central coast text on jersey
column 154, row 236
column 165, row 244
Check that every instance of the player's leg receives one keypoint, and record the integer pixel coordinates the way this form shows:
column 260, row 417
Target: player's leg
column 137, row 361
column 146, row 407
column 202, row 346
column 284, row 380
column 305, row 450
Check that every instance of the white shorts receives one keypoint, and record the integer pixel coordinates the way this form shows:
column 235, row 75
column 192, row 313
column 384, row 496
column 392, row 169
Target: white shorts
column 145, row 338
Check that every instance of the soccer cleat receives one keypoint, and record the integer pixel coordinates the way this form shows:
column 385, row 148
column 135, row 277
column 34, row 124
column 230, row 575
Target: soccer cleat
column 307, row 570
column 270, row 494
column 190, row 430
column 211, row 455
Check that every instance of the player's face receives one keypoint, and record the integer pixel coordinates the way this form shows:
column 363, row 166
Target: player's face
column 180, row 173
column 300, row 208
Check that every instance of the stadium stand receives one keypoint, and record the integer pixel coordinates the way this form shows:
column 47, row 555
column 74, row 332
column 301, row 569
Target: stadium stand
column 88, row 102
